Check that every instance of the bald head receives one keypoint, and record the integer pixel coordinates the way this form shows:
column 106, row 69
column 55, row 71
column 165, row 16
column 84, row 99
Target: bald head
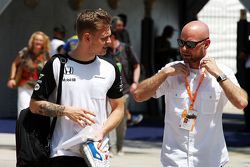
column 195, row 30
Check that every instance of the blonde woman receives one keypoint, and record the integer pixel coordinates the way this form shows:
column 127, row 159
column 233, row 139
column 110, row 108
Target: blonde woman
column 27, row 66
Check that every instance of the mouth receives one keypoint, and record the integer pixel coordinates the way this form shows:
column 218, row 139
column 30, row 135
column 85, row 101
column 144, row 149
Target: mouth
column 38, row 45
column 105, row 47
column 186, row 56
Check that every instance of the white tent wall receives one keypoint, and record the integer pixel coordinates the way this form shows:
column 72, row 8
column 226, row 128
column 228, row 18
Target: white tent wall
column 222, row 17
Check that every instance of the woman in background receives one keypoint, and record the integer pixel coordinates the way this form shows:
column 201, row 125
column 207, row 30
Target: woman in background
column 26, row 67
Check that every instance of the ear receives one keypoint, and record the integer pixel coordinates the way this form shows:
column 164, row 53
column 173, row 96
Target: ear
column 86, row 36
column 207, row 43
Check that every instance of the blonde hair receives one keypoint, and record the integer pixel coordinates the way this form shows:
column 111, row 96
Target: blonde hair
column 46, row 44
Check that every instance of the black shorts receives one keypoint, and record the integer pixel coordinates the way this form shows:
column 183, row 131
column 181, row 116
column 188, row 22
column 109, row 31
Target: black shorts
column 66, row 161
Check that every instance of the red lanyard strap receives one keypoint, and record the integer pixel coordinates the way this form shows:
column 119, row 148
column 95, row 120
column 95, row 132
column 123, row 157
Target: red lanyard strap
column 193, row 97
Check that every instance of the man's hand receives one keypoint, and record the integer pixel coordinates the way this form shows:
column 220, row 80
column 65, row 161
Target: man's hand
column 99, row 137
column 177, row 69
column 133, row 87
column 210, row 65
column 81, row 116
column 11, row 83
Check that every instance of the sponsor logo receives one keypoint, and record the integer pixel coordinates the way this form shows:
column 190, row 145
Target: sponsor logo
column 69, row 79
column 37, row 87
column 68, row 70
column 98, row 76
column 39, row 81
column 40, row 76
column 121, row 84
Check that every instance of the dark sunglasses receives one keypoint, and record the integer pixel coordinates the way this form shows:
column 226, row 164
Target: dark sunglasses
column 189, row 44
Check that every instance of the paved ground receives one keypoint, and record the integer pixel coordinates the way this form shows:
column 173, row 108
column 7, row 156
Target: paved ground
column 143, row 150
column 137, row 154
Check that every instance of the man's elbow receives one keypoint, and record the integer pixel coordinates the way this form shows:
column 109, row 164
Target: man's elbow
column 242, row 104
column 138, row 97
column 32, row 106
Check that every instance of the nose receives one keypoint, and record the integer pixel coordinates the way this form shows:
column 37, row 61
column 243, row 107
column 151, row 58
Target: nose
column 108, row 40
column 184, row 48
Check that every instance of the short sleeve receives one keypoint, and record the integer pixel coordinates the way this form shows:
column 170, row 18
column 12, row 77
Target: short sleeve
column 229, row 73
column 232, row 77
column 46, row 82
column 162, row 90
column 116, row 89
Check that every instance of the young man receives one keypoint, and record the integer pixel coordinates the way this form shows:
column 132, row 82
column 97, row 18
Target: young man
column 88, row 81
column 196, row 90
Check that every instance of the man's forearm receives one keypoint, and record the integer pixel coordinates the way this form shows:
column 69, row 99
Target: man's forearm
column 116, row 115
column 47, row 108
column 136, row 75
column 50, row 109
column 147, row 88
column 236, row 95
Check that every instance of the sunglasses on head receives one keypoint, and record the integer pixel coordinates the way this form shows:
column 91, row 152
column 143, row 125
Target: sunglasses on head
column 189, row 44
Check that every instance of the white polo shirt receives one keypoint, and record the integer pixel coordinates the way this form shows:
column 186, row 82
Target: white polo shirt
column 204, row 146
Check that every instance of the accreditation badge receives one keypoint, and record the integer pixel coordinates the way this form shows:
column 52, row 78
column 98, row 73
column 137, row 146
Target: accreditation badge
column 188, row 119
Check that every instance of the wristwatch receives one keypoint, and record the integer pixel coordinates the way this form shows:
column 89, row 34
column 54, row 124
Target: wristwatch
column 221, row 77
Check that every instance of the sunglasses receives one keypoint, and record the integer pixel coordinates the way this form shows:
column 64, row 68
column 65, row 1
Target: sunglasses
column 189, row 44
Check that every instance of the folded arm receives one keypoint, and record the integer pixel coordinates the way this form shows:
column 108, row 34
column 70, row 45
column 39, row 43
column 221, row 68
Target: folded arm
column 236, row 95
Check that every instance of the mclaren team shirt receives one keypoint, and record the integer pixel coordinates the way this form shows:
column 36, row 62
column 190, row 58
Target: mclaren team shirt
column 86, row 85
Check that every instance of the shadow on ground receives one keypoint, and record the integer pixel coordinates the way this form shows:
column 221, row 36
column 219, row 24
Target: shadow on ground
column 151, row 129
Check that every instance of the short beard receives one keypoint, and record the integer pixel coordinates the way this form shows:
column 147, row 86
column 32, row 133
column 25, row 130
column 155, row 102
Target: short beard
column 193, row 62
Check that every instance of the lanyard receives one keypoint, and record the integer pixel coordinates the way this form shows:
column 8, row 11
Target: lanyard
column 193, row 97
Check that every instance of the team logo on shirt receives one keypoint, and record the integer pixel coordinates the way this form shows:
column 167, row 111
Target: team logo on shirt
column 121, row 85
column 39, row 81
column 37, row 87
column 73, row 79
column 40, row 76
column 68, row 70
column 98, row 76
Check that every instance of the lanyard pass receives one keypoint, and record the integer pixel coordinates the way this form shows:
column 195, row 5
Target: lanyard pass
column 191, row 96
column 188, row 117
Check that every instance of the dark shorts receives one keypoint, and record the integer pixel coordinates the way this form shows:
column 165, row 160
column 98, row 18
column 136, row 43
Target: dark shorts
column 67, row 161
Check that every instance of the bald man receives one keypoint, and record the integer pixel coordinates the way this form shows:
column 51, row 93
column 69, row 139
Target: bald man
column 196, row 90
